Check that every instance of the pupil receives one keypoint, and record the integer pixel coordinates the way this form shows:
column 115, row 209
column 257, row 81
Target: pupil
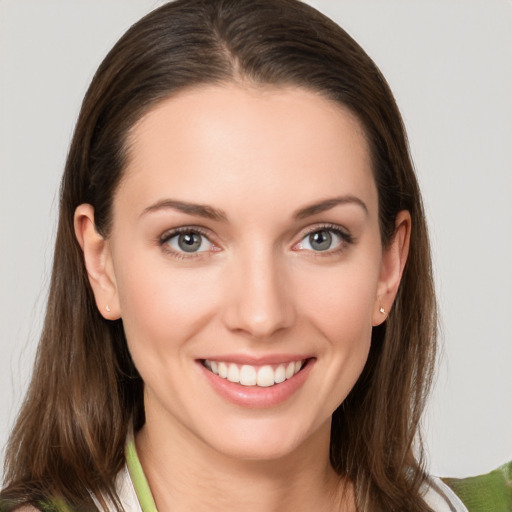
column 189, row 242
column 321, row 240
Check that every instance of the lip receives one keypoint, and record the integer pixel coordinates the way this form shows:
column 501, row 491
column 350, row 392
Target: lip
column 273, row 359
column 255, row 396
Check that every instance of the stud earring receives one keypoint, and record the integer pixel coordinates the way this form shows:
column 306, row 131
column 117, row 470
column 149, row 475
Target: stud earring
column 107, row 307
column 382, row 310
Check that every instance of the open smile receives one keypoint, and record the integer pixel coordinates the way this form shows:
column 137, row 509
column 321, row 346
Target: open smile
column 261, row 384
column 262, row 376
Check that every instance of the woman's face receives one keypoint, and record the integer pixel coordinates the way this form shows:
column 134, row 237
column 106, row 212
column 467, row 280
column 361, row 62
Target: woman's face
column 245, row 243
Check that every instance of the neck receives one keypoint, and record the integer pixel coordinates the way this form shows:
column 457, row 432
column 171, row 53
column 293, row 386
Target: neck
column 188, row 475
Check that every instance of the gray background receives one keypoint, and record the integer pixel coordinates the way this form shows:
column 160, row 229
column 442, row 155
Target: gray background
column 449, row 63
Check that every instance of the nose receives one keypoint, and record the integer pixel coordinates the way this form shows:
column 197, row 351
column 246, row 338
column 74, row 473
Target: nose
column 260, row 297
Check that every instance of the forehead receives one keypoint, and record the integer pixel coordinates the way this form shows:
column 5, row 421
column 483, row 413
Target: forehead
column 203, row 141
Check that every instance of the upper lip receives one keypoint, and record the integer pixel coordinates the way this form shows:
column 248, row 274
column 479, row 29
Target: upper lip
column 257, row 360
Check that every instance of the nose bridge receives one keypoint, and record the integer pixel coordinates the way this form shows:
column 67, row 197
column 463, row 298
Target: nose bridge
column 259, row 302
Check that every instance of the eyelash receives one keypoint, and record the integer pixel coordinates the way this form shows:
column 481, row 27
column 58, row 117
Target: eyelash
column 346, row 239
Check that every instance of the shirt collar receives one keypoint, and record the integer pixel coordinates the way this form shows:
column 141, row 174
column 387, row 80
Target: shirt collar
column 137, row 477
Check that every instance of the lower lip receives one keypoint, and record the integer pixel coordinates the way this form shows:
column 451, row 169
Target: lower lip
column 254, row 396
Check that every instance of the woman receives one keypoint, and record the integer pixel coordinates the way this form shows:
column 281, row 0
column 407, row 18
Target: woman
column 241, row 294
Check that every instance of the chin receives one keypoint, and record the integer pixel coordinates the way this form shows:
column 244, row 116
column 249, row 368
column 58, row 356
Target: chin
column 265, row 440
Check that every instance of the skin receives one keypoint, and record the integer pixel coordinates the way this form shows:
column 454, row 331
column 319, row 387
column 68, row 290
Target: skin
column 258, row 288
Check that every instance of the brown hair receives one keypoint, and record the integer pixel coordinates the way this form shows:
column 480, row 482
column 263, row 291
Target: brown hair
column 85, row 391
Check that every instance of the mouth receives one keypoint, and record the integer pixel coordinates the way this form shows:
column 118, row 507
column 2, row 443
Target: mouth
column 263, row 376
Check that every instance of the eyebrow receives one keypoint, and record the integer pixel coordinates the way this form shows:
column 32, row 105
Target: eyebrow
column 200, row 210
column 209, row 212
column 327, row 204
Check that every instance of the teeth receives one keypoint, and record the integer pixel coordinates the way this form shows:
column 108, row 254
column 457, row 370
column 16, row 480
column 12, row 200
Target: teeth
column 280, row 374
column 223, row 370
column 247, row 375
column 233, row 373
column 265, row 377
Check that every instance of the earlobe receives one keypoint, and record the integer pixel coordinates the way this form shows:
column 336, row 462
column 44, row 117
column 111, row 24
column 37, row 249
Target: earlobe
column 394, row 258
column 98, row 262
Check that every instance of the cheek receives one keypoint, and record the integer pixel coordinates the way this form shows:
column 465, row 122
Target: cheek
column 344, row 318
column 340, row 300
column 339, row 307
column 163, row 307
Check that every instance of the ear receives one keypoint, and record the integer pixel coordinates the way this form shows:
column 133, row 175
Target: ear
column 98, row 262
column 393, row 262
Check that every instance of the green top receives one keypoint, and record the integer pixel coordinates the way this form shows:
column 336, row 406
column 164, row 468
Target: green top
column 485, row 493
column 140, row 484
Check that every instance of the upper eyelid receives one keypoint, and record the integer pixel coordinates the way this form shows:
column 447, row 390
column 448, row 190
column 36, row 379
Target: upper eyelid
column 170, row 233
column 328, row 227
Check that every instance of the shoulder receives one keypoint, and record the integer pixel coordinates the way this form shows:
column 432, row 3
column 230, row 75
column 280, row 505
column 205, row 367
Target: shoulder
column 441, row 498
column 492, row 491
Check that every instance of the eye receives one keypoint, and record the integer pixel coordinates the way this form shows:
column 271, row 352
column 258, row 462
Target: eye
column 187, row 241
column 323, row 240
